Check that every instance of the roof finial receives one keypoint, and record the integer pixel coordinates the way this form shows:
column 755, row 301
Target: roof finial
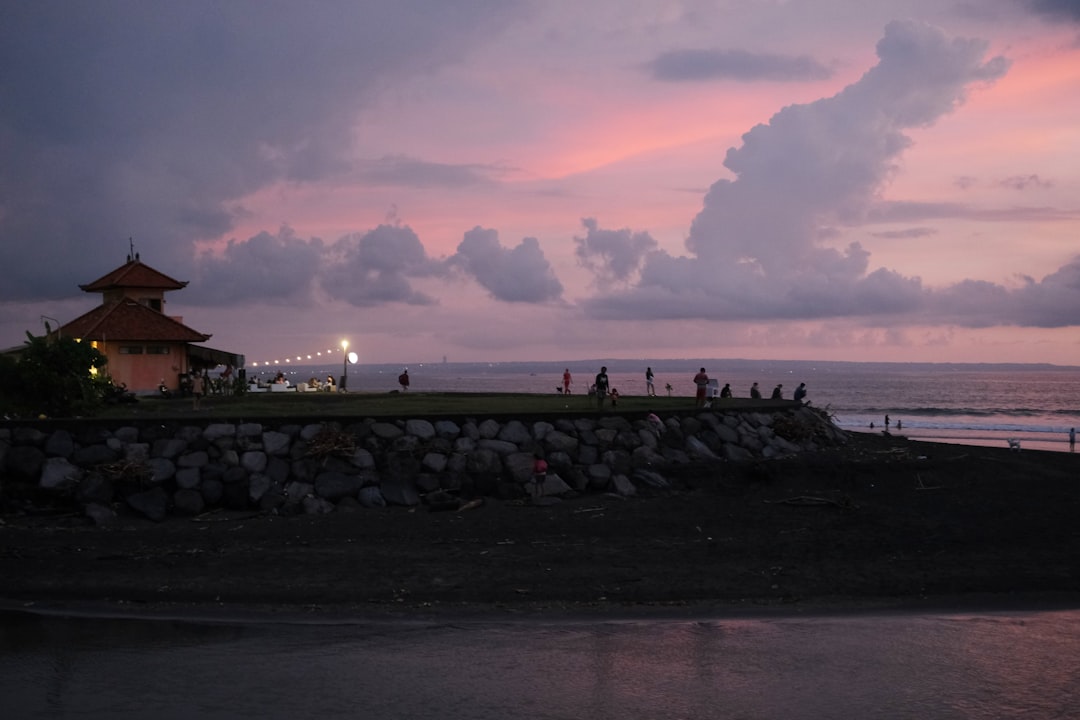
column 131, row 250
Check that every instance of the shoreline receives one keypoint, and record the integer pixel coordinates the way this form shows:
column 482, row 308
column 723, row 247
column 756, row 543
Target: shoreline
column 882, row 524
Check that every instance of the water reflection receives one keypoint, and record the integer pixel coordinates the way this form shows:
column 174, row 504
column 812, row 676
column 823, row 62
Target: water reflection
column 880, row 666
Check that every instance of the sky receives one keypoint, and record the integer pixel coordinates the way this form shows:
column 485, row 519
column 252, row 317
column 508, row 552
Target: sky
column 500, row 180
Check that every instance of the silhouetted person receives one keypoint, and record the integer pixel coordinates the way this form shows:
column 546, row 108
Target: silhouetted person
column 800, row 392
column 601, row 387
column 755, row 392
column 778, row 392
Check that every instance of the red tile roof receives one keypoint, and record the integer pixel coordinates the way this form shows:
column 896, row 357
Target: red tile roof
column 133, row 274
column 127, row 320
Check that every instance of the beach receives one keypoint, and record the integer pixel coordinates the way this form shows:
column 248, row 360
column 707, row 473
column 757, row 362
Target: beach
column 880, row 521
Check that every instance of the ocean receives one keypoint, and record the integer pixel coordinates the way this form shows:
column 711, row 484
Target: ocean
column 971, row 404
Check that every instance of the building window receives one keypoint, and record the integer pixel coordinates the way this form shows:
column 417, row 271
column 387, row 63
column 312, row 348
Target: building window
column 157, row 349
column 131, row 350
column 152, row 303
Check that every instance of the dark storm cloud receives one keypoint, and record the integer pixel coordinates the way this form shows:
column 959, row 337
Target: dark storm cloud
column 612, row 256
column 376, row 268
column 150, row 119
column 1056, row 9
column 699, row 65
column 518, row 274
column 268, row 268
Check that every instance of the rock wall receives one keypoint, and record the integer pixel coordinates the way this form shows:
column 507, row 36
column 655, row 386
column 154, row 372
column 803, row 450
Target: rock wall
column 157, row 470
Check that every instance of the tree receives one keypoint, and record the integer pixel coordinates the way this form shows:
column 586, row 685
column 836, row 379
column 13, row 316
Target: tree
column 52, row 376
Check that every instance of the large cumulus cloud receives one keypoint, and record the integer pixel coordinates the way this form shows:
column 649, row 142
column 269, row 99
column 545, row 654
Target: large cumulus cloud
column 517, row 274
column 758, row 250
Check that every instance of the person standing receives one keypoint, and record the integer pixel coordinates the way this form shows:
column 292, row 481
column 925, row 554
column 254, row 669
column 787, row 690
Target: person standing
column 701, row 380
column 403, row 379
column 650, row 389
column 755, row 392
column 800, row 392
column 778, row 392
column 886, row 423
column 540, row 468
column 198, row 389
column 567, row 381
column 601, row 387
column 1072, row 439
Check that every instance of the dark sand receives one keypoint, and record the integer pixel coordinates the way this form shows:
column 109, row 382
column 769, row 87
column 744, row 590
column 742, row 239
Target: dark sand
column 881, row 522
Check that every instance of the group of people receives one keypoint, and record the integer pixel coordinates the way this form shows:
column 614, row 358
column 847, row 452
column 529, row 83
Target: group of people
column 601, row 388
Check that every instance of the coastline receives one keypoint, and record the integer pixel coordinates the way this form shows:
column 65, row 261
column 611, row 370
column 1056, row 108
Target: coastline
column 881, row 524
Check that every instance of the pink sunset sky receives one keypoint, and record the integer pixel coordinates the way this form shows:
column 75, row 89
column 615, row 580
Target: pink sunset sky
column 494, row 180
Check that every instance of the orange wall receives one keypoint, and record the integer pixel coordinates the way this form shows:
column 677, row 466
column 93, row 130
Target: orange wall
column 143, row 373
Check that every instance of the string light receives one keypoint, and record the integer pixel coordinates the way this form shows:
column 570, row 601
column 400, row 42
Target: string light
column 317, row 355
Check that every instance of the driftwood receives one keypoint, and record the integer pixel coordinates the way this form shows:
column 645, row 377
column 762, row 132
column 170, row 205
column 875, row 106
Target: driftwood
column 810, row 500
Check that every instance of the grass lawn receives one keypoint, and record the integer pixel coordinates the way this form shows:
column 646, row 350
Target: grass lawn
column 409, row 404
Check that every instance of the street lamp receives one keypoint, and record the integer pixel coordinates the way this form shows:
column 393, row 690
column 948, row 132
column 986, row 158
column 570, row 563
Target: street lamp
column 344, row 365
column 348, row 357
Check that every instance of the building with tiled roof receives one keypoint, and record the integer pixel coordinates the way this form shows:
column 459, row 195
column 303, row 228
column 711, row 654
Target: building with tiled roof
column 144, row 346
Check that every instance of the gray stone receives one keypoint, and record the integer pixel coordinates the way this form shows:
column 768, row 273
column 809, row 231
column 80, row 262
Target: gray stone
column 59, row 475
column 127, row 434
column 101, row 515
column 489, row 429
column 736, row 453
column 362, row 459
column 137, row 452
column 519, row 467
column 420, row 428
column 621, row 485
column 276, row 443
column 94, row 488
column 114, row 444
column 584, row 424
column 92, row 455
column 588, row 454
column 434, row 462
column 648, row 438
column 652, row 479
column 554, row 485
column 278, row 470
column 559, row 461
column 212, row 491
column 310, row 431
column 60, row 444
column 483, row 461
column 464, row 445
column 27, row 436
column 215, row 431
column 253, row 461
column 386, row 431
column 299, row 490
column 169, row 448
column 317, row 505
column 499, row 446
column 557, row 441
column 371, row 497
column 457, row 463
column 333, row 486
column 514, row 432
column 152, row 504
column 447, row 429
column 614, row 422
column 405, row 444
column 230, row 458
column 541, row 428
column 605, row 436
column 599, row 476
column 399, row 492
column 699, row 450
column 24, row 461
column 726, row 433
column 260, row 485
column 193, row 459
column 470, row 431
column 188, row 502
column 249, row 431
column 188, row 478
column 643, row 457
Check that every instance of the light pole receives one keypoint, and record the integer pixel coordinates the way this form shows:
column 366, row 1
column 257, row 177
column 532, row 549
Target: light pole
column 344, row 365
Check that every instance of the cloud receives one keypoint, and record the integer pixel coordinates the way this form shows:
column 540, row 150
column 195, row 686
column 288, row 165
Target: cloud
column 268, row 268
column 906, row 233
column 1056, row 9
column 700, row 65
column 402, row 171
column 613, row 256
column 375, row 268
column 1024, row 182
column 519, row 274
column 139, row 119
column 756, row 246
